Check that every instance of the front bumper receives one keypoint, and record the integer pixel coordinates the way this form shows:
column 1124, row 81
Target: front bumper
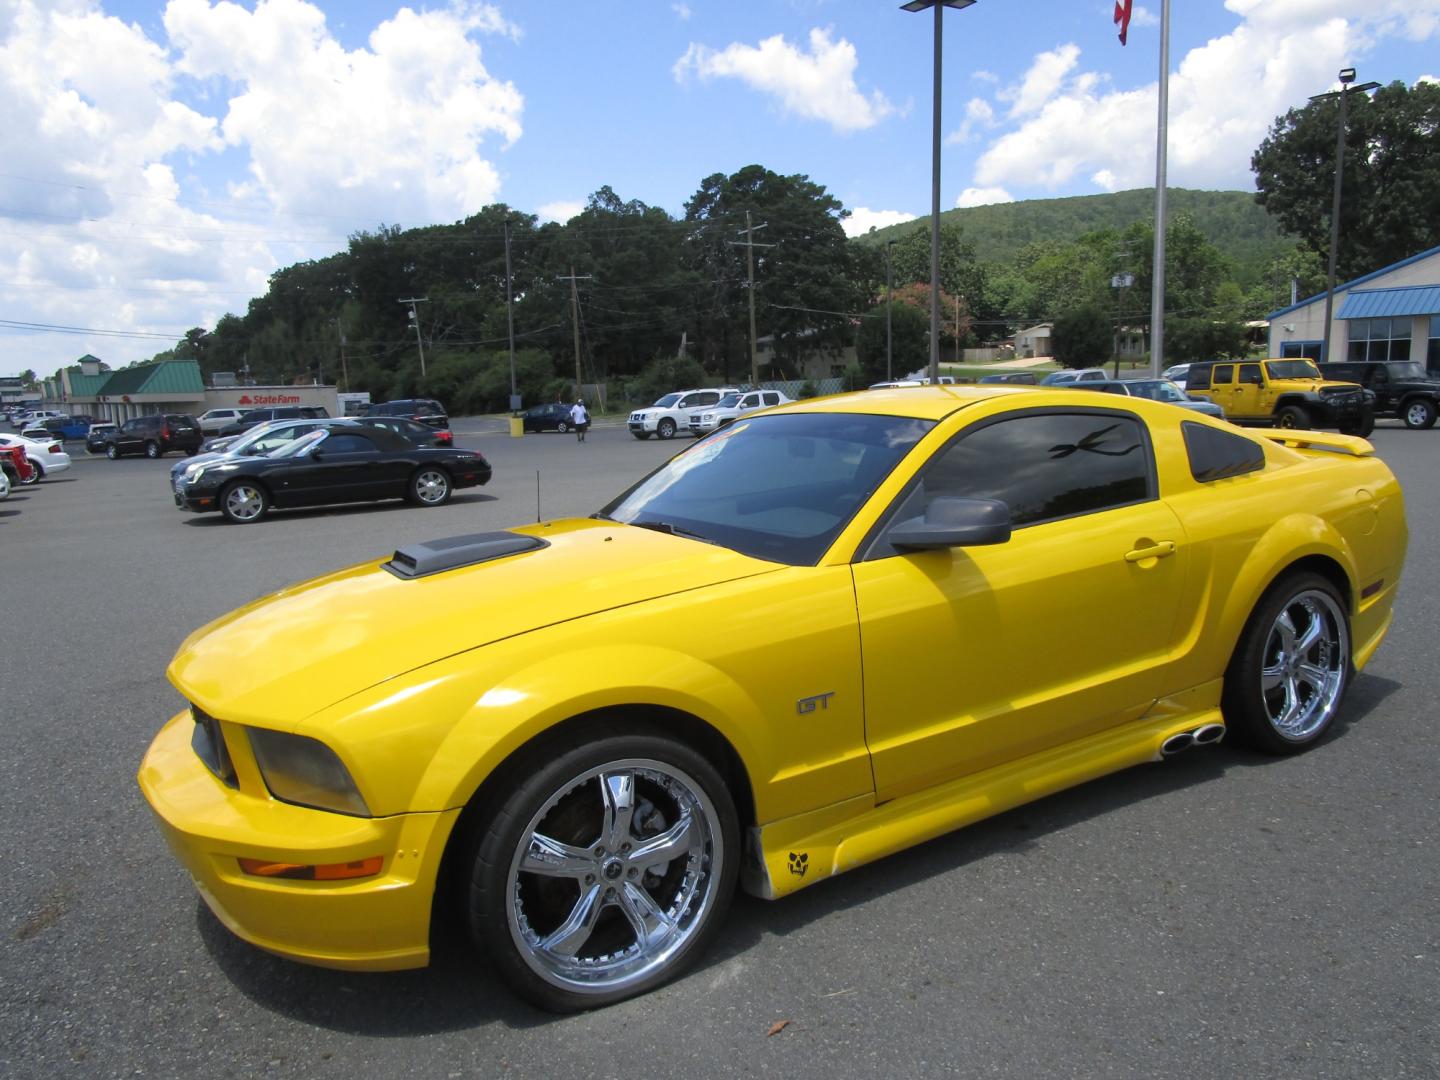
column 379, row 923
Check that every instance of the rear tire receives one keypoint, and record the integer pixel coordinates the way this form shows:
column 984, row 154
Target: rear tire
column 1291, row 666
column 562, row 427
column 152, row 450
column 1292, row 416
column 39, row 473
column 430, row 486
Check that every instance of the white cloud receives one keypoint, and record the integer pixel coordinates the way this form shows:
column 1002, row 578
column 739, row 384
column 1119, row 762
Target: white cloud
column 560, row 211
column 985, row 76
column 393, row 130
column 815, row 85
column 862, row 220
column 983, row 196
column 1428, row 78
column 682, row 11
column 1140, row 16
column 1223, row 97
column 107, row 225
column 978, row 113
column 1047, row 73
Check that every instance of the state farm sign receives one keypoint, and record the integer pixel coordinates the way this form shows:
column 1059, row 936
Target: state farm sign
column 269, row 399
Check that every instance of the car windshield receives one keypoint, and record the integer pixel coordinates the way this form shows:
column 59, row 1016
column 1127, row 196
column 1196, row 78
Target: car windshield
column 776, row 487
column 1292, row 369
column 295, row 447
column 666, row 401
column 728, row 401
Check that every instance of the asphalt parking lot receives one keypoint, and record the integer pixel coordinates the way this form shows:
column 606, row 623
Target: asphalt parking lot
column 1218, row 915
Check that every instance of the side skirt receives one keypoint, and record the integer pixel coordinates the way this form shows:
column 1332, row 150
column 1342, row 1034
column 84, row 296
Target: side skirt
column 788, row 855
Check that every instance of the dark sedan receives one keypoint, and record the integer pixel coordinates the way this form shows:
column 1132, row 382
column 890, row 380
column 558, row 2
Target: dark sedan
column 553, row 417
column 418, row 433
column 330, row 465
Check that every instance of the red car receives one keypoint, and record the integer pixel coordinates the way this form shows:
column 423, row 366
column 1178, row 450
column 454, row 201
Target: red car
column 17, row 466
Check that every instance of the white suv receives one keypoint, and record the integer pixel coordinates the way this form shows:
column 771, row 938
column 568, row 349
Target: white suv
column 213, row 420
column 672, row 412
column 733, row 406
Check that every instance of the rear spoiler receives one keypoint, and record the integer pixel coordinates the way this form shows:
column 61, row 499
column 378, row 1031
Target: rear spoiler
column 1298, row 439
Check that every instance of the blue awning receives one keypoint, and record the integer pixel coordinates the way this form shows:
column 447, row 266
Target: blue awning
column 1388, row 303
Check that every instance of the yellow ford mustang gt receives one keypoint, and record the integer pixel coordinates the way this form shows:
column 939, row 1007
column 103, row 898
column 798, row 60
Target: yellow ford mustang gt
column 821, row 635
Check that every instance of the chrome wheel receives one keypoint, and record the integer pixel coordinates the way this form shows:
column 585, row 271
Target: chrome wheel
column 1306, row 660
column 613, row 877
column 1419, row 414
column 242, row 502
column 431, row 487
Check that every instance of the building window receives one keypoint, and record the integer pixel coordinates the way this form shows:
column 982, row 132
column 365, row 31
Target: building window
column 1380, row 339
column 1432, row 355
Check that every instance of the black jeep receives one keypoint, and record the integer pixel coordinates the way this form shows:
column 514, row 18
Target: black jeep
column 1402, row 389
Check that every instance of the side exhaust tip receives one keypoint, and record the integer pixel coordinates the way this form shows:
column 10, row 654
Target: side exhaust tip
column 1208, row 734
column 1176, row 744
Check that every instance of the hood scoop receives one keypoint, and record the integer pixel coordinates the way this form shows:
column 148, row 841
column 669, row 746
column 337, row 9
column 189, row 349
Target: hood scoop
column 436, row 556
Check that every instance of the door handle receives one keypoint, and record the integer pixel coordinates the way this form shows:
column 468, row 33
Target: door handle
column 1154, row 551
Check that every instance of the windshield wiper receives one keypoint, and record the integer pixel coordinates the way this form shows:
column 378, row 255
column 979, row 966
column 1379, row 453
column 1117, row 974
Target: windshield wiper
column 671, row 528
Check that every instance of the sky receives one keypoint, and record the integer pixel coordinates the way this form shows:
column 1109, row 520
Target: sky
column 160, row 159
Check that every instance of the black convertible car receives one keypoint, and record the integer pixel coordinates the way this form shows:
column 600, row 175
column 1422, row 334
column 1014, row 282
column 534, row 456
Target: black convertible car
column 330, row 465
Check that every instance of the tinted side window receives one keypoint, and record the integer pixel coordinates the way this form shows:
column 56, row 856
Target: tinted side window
column 1250, row 373
column 1223, row 373
column 1046, row 466
column 1216, row 454
column 1197, row 378
column 771, row 398
column 347, row 444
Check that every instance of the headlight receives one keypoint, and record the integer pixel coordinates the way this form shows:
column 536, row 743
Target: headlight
column 299, row 769
column 195, row 472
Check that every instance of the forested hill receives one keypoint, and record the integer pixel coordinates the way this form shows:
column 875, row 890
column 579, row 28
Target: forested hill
column 1231, row 220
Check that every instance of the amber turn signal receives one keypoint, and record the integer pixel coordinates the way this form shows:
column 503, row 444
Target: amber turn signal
column 307, row 872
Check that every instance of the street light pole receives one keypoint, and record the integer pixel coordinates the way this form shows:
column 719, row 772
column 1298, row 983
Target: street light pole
column 510, row 318
column 889, row 289
column 1347, row 76
column 916, row 6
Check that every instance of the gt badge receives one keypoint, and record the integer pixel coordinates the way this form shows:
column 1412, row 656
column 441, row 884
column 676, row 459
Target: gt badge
column 799, row 863
column 810, row 704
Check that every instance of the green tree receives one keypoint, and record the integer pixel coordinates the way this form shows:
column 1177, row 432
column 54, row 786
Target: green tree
column 1189, row 340
column 1082, row 337
column 909, row 335
column 1391, row 204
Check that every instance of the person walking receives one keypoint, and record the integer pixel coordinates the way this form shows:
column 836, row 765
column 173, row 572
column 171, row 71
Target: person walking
column 580, row 417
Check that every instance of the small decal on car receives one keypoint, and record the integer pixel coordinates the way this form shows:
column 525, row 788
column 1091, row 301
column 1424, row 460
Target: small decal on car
column 799, row 863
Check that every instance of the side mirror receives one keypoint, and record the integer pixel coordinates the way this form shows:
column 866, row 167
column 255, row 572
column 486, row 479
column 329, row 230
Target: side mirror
column 950, row 521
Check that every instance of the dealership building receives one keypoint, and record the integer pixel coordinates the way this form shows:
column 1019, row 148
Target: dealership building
column 1392, row 314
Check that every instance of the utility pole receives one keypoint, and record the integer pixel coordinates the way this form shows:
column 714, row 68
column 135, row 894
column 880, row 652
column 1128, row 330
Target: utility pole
column 415, row 319
column 344, row 367
column 750, row 246
column 575, row 318
column 510, row 319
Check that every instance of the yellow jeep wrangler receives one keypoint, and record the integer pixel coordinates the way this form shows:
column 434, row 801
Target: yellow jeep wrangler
column 1282, row 393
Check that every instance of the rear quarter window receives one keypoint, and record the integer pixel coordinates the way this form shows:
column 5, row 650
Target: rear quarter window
column 1217, row 455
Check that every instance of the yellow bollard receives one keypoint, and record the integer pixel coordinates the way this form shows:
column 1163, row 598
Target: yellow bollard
column 517, row 427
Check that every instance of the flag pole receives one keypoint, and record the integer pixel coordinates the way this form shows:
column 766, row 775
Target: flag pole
column 1157, row 288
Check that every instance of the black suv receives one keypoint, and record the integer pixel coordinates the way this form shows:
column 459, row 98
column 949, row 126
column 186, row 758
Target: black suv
column 276, row 412
column 1402, row 389
column 154, row 435
column 422, row 410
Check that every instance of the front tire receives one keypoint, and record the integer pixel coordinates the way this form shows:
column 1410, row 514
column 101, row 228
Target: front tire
column 430, row 486
column 665, row 429
column 1292, row 416
column 605, row 871
column 1419, row 414
column 112, row 452
column 562, row 427
column 152, row 450
column 1291, row 666
column 243, row 502
column 641, row 435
